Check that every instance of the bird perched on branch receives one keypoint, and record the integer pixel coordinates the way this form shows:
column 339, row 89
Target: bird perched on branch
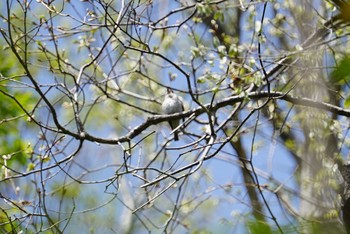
column 173, row 104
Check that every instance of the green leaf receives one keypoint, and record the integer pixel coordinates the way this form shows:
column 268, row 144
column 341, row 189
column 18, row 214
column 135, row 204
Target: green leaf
column 257, row 227
column 218, row 15
column 201, row 80
column 30, row 166
column 347, row 102
column 216, row 41
column 341, row 74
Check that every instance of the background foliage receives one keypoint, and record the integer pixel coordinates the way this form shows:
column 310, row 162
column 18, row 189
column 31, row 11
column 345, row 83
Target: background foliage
column 264, row 145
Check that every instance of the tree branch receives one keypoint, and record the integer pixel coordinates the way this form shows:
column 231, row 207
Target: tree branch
column 154, row 120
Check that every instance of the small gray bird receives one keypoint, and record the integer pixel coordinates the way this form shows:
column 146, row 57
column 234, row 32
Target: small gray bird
column 173, row 104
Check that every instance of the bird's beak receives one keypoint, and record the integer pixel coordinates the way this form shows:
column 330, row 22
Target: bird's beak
column 169, row 90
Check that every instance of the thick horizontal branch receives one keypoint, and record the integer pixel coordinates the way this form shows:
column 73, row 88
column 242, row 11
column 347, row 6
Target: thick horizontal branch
column 302, row 101
column 153, row 120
